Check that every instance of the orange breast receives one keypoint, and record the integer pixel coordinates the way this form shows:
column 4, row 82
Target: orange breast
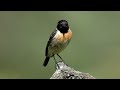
column 65, row 37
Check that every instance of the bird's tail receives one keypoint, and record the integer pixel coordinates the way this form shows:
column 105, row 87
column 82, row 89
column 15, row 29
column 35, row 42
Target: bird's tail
column 46, row 61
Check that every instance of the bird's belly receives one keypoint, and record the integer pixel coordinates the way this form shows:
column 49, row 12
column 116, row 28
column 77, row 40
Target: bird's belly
column 59, row 43
column 57, row 48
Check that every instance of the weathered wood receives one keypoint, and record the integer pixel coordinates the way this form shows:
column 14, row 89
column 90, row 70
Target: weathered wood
column 63, row 71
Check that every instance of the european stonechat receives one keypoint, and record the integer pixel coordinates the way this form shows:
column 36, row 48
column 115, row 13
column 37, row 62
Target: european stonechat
column 58, row 41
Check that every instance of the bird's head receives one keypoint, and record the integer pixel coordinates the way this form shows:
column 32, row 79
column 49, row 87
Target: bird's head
column 63, row 26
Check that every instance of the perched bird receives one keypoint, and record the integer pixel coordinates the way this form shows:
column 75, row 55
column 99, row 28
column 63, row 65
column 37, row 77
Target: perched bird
column 58, row 41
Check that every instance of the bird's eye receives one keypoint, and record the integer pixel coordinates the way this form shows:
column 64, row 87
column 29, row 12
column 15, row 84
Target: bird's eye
column 60, row 27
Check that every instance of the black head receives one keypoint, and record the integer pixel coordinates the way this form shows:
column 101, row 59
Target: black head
column 63, row 26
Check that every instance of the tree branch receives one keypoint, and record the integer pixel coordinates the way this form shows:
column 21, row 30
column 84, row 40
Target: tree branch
column 63, row 71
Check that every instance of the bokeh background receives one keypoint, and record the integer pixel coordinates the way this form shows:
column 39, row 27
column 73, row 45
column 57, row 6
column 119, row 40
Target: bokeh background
column 94, row 48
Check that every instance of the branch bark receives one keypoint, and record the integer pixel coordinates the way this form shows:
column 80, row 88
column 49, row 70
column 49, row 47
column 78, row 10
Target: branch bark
column 63, row 71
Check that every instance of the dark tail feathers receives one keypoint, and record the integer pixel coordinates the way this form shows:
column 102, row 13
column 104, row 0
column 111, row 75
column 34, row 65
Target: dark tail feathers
column 46, row 61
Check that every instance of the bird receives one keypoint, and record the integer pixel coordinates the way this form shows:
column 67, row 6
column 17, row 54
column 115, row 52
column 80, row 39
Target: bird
column 58, row 41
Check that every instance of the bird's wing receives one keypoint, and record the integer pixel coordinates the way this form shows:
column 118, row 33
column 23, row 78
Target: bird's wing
column 49, row 41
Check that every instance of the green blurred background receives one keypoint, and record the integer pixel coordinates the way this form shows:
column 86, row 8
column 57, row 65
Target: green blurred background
column 94, row 48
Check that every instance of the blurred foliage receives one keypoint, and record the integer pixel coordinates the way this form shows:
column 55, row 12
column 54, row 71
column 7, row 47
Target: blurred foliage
column 94, row 48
